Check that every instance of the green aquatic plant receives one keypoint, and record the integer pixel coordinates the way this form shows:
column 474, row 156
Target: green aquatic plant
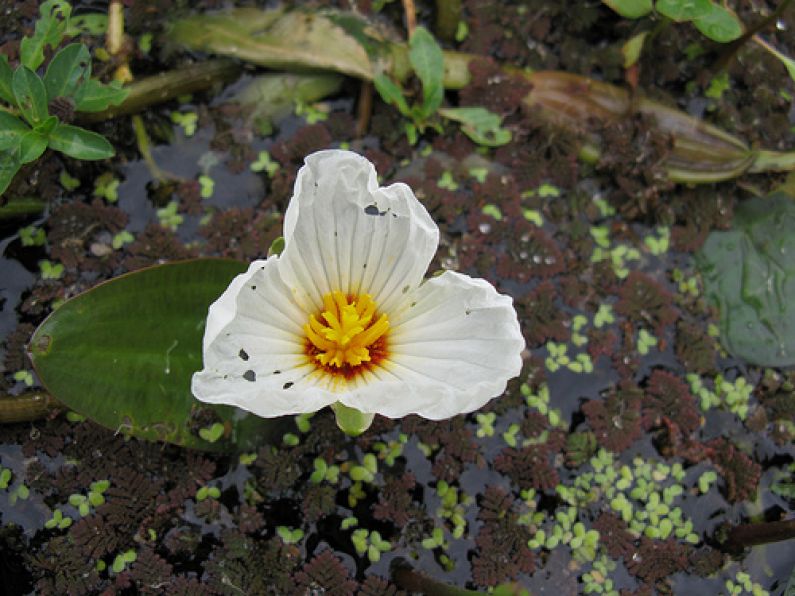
column 712, row 19
column 427, row 60
column 343, row 43
column 39, row 108
column 370, row 543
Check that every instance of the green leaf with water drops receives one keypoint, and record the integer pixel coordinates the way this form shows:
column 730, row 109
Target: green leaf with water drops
column 123, row 354
column 749, row 275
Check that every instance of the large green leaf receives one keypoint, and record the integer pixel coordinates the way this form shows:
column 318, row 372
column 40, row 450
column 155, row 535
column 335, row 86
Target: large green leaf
column 123, row 354
column 749, row 274
column 69, row 69
column 80, row 143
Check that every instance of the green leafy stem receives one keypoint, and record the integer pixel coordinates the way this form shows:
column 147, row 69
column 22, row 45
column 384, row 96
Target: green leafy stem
column 39, row 108
column 427, row 61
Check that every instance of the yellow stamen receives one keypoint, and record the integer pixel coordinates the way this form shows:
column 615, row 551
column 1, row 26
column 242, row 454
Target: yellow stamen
column 344, row 333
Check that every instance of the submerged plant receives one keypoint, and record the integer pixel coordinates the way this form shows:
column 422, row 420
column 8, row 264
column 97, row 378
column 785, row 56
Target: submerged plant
column 342, row 316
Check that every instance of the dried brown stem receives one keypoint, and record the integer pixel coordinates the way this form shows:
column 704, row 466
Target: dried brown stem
column 114, row 38
column 364, row 108
column 411, row 16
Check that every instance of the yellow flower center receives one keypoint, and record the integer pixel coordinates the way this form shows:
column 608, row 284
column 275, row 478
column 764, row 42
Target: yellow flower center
column 344, row 334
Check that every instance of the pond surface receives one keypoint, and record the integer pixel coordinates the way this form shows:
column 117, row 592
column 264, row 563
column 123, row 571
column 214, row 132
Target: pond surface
column 618, row 461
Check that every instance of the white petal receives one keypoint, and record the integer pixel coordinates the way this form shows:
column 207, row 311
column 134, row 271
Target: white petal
column 254, row 349
column 222, row 311
column 453, row 346
column 342, row 232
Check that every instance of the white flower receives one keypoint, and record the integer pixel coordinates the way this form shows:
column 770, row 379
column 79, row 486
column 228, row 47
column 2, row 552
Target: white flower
column 343, row 315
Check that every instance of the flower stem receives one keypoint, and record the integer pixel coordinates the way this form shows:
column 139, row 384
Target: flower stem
column 746, row 535
column 413, row 581
column 22, row 207
column 26, row 407
column 350, row 420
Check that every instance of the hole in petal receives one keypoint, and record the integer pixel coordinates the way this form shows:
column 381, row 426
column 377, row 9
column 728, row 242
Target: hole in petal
column 250, row 375
column 243, row 354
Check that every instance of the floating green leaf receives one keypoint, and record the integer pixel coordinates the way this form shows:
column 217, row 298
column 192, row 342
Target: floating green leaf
column 683, row 10
column 480, row 125
column 80, row 143
column 123, row 354
column 749, row 274
column 720, row 24
column 630, row 9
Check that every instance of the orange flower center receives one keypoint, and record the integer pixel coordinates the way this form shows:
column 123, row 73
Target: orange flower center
column 345, row 333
